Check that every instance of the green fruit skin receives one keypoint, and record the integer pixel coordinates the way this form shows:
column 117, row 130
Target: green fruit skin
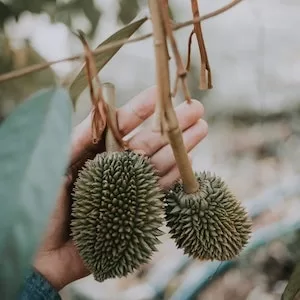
column 117, row 213
column 210, row 224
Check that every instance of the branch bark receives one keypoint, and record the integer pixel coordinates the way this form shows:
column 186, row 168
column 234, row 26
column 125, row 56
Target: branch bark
column 167, row 112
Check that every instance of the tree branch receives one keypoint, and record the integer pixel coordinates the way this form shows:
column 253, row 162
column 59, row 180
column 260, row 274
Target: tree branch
column 99, row 112
column 169, row 118
column 39, row 67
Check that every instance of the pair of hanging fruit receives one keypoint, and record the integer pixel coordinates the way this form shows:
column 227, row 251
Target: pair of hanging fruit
column 119, row 208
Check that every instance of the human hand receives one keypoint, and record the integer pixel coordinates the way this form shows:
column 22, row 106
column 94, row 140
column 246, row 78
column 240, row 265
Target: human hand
column 58, row 259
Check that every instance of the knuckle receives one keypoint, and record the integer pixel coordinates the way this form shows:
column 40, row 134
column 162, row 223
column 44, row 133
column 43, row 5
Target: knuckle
column 204, row 127
column 145, row 145
column 197, row 105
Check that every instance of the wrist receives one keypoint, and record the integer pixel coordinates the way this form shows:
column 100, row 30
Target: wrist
column 51, row 272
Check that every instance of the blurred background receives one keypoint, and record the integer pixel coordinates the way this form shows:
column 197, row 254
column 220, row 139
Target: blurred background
column 253, row 116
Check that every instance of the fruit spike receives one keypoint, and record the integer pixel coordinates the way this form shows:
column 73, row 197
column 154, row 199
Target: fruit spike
column 116, row 213
column 210, row 224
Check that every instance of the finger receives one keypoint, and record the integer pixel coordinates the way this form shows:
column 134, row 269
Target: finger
column 137, row 110
column 129, row 117
column 163, row 160
column 150, row 142
column 171, row 177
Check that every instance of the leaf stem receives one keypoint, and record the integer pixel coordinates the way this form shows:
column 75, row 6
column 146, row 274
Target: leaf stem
column 168, row 115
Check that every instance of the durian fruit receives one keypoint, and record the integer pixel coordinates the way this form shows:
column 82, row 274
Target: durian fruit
column 116, row 213
column 210, row 224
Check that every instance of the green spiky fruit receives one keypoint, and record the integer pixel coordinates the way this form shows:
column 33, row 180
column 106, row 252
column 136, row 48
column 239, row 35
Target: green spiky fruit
column 117, row 211
column 210, row 224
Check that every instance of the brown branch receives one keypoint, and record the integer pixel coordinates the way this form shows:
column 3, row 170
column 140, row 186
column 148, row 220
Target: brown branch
column 104, row 114
column 162, row 67
column 168, row 114
column 205, row 72
column 99, row 111
column 181, row 71
column 39, row 67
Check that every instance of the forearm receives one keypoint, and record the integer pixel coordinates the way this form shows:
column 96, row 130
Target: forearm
column 36, row 287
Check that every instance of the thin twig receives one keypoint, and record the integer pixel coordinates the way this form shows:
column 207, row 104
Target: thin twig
column 205, row 72
column 168, row 114
column 104, row 113
column 99, row 111
column 220, row 10
column 39, row 67
column 181, row 71
column 188, row 62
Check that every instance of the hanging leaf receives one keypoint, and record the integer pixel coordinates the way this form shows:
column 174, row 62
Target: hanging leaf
column 34, row 149
column 80, row 82
column 292, row 290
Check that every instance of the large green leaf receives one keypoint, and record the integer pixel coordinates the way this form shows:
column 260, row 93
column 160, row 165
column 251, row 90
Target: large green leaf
column 292, row 290
column 80, row 82
column 35, row 141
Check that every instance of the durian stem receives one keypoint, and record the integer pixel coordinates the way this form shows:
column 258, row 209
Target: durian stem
column 109, row 93
column 168, row 116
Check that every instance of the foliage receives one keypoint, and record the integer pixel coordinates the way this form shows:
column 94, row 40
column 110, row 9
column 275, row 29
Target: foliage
column 14, row 91
column 34, row 153
column 80, row 82
column 58, row 12
column 64, row 11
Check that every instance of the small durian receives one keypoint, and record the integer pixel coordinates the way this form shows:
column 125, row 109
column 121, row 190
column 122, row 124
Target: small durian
column 210, row 224
column 117, row 213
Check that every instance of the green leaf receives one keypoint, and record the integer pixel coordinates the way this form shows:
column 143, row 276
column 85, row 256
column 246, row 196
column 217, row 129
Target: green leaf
column 292, row 290
column 80, row 82
column 35, row 141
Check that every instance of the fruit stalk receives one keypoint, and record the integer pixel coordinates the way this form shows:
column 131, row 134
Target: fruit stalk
column 111, row 142
column 167, row 115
